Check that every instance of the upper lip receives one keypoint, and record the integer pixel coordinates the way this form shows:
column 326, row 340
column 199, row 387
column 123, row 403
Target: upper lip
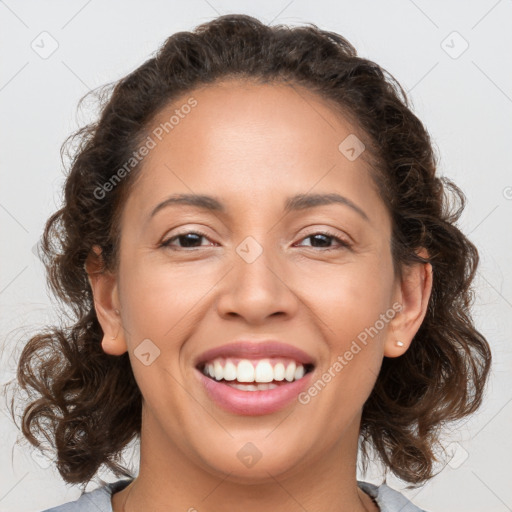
column 256, row 350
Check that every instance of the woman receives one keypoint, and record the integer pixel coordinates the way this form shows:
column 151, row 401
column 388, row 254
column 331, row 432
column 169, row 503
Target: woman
column 265, row 274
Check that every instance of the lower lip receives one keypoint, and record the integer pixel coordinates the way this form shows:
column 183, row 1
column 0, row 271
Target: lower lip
column 253, row 403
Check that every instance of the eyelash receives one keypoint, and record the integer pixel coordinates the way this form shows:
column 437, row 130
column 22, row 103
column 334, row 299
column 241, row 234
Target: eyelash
column 343, row 244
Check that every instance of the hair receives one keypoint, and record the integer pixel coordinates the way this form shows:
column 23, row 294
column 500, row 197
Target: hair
column 87, row 403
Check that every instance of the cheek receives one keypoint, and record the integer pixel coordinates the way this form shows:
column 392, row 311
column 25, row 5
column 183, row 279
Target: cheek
column 350, row 299
column 161, row 300
column 352, row 303
column 162, row 305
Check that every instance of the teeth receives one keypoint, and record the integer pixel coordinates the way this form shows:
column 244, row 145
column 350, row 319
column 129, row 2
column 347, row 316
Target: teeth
column 299, row 372
column 253, row 387
column 245, row 371
column 289, row 374
column 279, row 371
column 218, row 370
column 230, row 371
column 264, row 372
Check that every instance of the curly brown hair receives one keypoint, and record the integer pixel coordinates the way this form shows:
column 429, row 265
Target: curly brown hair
column 87, row 403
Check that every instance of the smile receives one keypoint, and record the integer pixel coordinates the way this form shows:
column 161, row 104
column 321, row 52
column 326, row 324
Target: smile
column 255, row 375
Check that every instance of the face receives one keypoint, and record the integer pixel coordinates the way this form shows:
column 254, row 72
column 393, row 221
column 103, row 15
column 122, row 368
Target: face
column 316, row 277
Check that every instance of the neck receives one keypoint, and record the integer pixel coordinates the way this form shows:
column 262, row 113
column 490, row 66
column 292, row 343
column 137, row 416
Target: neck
column 168, row 477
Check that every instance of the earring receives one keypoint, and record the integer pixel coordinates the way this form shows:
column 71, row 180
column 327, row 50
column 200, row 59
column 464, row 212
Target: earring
column 399, row 343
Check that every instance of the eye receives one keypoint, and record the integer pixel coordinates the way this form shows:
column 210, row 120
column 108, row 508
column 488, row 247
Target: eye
column 322, row 239
column 188, row 239
column 192, row 239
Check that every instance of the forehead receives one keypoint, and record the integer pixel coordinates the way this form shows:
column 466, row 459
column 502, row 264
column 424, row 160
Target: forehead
column 250, row 141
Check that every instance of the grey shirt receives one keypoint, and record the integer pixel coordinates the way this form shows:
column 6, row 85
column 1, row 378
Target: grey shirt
column 99, row 500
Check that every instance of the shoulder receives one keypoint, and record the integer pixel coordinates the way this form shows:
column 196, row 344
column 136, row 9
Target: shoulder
column 99, row 500
column 388, row 499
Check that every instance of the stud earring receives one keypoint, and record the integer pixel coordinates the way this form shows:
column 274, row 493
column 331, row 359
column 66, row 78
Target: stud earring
column 399, row 343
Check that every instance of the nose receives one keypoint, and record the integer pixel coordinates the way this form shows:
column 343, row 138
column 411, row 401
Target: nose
column 257, row 290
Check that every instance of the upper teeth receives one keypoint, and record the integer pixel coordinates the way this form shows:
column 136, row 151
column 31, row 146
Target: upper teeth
column 245, row 370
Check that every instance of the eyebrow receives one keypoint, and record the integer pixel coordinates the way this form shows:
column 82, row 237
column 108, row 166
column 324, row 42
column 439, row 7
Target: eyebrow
column 294, row 203
column 303, row 201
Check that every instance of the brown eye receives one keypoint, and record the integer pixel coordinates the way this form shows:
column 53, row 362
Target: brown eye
column 190, row 240
column 322, row 240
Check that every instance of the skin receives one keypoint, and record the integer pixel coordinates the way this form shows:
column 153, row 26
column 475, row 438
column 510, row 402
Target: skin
column 252, row 146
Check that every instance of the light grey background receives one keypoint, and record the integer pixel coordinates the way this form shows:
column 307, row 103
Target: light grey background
column 464, row 98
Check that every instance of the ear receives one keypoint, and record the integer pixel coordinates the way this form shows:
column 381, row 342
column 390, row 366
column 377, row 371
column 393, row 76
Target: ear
column 106, row 303
column 413, row 293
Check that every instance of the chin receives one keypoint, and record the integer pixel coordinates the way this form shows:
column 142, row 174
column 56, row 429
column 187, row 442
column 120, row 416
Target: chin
column 253, row 462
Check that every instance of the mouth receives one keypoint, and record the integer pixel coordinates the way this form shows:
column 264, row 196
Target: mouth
column 254, row 378
column 254, row 374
